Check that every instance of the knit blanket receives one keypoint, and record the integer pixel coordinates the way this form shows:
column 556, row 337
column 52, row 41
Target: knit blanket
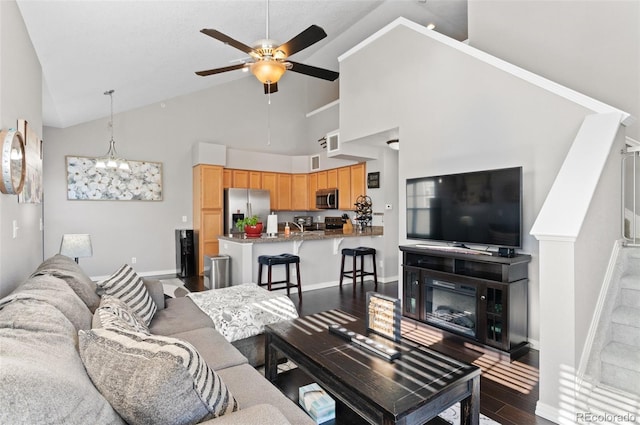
column 242, row 311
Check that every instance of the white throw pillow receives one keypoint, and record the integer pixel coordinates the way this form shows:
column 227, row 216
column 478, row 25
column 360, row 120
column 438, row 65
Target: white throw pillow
column 115, row 313
column 129, row 287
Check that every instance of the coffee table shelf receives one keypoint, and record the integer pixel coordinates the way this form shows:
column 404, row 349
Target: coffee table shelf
column 410, row 390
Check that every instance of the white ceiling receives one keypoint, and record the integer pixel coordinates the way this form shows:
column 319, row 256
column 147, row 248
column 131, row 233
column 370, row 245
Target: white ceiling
column 148, row 50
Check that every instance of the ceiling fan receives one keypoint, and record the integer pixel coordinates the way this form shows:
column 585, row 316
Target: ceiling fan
column 269, row 61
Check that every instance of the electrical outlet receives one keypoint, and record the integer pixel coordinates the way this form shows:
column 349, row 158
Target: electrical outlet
column 133, row 260
column 184, row 218
column 15, row 229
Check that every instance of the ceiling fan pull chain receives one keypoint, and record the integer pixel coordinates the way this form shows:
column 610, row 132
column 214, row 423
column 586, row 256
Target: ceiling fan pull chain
column 269, row 119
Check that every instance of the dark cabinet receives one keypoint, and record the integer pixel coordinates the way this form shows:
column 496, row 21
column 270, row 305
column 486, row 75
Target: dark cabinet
column 472, row 296
column 411, row 293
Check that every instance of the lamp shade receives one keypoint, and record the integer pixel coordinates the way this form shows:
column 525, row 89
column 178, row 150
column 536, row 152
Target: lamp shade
column 76, row 246
column 268, row 71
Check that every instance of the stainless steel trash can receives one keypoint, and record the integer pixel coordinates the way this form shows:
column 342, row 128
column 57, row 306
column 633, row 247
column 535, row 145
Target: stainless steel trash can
column 216, row 271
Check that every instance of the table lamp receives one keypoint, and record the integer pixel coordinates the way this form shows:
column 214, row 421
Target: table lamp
column 76, row 246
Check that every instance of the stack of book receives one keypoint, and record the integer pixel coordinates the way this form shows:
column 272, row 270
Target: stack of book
column 317, row 403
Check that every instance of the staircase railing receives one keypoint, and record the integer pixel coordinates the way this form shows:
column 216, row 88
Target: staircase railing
column 630, row 201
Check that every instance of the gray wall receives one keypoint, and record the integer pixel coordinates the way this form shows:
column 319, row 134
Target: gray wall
column 20, row 97
column 590, row 46
column 233, row 114
column 456, row 113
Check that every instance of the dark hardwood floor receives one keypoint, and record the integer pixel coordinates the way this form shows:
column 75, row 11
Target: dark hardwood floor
column 508, row 390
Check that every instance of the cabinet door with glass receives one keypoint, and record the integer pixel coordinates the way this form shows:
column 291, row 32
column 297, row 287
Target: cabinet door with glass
column 493, row 299
column 412, row 292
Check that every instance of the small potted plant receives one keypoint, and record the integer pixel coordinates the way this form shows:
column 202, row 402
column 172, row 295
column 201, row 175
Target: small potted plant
column 252, row 226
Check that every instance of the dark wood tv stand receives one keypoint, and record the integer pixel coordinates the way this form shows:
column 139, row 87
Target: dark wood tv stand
column 498, row 284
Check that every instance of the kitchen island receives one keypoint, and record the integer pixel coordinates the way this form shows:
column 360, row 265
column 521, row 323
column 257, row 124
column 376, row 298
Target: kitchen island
column 319, row 251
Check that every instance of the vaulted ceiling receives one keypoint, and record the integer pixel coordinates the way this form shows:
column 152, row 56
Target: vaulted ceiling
column 148, row 51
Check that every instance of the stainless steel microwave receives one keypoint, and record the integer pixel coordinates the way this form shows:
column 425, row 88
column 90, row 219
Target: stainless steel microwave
column 327, row 199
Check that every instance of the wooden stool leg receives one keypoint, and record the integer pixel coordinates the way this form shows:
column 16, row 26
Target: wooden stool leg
column 354, row 274
column 299, row 284
column 341, row 270
column 269, row 277
column 259, row 274
column 288, row 279
column 362, row 269
column 375, row 272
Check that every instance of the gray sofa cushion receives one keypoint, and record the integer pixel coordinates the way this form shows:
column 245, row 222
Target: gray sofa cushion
column 156, row 291
column 260, row 414
column 115, row 313
column 153, row 379
column 179, row 315
column 129, row 287
column 42, row 379
column 251, row 388
column 57, row 293
column 213, row 347
column 67, row 269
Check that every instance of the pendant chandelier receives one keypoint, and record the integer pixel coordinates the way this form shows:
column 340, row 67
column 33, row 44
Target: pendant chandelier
column 111, row 159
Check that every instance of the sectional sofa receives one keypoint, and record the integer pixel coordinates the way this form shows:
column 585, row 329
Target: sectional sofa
column 71, row 356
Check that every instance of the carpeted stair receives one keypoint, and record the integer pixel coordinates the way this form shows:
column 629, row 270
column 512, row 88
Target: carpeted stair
column 620, row 357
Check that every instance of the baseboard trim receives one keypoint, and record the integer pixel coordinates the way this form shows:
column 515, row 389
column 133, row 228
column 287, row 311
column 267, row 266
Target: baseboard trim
column 142, row 274
column 548, row 412
column 534, row 343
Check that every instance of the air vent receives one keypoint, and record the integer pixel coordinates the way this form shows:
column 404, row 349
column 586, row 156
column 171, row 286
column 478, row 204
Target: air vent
column 315, row 162
column 333, row 142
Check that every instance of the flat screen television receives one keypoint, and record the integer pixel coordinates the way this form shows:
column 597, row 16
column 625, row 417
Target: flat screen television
column 480, row 207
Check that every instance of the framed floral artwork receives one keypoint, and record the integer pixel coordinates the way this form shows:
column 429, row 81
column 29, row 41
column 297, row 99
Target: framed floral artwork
column 142, row 182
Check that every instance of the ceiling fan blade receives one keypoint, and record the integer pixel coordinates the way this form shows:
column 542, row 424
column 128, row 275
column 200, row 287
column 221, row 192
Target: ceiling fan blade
column 270, row 88
column 306, row 38
column 313, row 71
column 219, row 70
column 227, row 40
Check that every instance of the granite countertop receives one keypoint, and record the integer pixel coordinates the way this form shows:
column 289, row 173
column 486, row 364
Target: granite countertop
column 307, row 235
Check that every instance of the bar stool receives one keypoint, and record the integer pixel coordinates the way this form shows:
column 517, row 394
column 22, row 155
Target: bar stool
column 360, row 251
column 273, row 260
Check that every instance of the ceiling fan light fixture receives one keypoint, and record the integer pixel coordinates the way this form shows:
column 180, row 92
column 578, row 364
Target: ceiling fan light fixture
column 268, row 71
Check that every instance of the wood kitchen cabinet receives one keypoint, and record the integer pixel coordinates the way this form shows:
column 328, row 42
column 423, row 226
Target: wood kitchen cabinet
column 358, row 181
column 240, row 179
column 332, row 178
column 313, row 187
column 255, row 180
column 344, row 188
column 207, row 210
column 270, row 183
column 300, row 192
column 322, row 180
column 227, row 179
column 284, row 191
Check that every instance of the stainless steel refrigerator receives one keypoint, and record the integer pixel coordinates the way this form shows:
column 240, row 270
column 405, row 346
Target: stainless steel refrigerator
column 240, row 203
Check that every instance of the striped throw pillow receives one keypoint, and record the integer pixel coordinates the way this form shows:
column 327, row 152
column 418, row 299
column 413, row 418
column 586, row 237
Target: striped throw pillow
column 115, row 313
column 152, row 378
column 129, row 287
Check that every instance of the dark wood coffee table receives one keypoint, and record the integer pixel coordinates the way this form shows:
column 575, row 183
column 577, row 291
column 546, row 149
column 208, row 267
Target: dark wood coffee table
column 410, row 390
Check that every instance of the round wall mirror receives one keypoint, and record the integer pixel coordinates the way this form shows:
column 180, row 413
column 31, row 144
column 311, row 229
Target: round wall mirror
column 14, row 165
